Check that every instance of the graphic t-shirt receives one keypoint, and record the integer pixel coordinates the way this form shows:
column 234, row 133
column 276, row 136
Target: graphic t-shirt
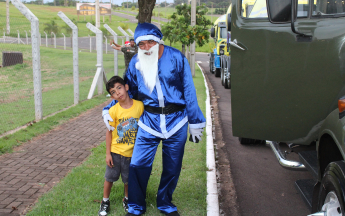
column 126, row 127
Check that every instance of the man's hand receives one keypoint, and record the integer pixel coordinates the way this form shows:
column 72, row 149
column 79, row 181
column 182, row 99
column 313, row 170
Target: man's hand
column 106, row 119
column 109, row 160
column 111, row 42
column 196, row 134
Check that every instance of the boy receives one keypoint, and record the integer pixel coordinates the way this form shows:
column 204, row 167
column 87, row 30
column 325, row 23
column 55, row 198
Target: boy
column 120, row 142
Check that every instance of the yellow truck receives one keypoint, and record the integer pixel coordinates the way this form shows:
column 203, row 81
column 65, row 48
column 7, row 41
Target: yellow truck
column 219, row 33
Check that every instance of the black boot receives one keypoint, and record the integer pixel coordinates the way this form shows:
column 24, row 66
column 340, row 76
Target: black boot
column 175, row 213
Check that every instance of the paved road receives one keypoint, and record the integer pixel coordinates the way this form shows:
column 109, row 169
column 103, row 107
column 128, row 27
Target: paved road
column 263, row 187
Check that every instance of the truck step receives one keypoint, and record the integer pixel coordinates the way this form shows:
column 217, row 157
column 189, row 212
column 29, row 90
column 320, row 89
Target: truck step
column 305, row 187
column 309, row 159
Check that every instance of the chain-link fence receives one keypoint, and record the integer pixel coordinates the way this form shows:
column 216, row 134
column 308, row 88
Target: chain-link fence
column 16, row 77
column 55, row 64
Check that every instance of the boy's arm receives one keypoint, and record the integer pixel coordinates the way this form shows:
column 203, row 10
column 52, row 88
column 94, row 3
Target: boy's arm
column 106, row 116
column 108, row 158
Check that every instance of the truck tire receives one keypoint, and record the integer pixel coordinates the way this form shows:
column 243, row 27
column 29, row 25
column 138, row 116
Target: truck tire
column 247, row 141
column 211, row 67
column 227, row 84
column 211, row 63
column 217, row 73
column 333, row 188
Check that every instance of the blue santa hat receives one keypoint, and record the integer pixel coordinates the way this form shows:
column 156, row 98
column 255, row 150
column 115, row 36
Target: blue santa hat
column 147, row 31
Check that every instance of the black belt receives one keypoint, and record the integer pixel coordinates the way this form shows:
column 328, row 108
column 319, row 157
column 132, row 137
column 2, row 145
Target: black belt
column 171, row 108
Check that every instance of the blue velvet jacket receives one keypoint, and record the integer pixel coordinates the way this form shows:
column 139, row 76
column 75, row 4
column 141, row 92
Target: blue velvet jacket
column 174, row 85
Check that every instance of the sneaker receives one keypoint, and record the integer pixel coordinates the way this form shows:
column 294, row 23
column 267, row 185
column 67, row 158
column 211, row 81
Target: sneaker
column 125, row 204
column 104, row 208
column 175, row 213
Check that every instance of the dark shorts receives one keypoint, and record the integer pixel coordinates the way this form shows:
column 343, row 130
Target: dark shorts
column 121, row 166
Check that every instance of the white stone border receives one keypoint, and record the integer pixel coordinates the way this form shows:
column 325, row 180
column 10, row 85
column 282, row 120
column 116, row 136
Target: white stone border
column 212, row 192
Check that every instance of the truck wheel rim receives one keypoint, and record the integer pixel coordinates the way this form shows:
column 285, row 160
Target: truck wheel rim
column 331, row 205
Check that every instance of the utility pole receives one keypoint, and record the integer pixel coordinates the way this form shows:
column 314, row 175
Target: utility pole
column 212, row 13
column 7, row 16
column 97, row 14
column 192, row 47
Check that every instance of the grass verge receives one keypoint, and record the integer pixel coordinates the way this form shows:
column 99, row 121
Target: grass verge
column 80, row 192
column 8, row 142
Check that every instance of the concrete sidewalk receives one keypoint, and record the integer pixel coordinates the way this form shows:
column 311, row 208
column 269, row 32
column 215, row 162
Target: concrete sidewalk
column 36, row 166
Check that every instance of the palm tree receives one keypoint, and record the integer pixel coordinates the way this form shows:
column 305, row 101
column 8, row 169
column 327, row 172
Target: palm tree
column 51, row 27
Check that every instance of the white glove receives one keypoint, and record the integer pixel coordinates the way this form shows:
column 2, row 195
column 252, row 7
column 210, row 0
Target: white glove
column 107, row 119
column 196, row 133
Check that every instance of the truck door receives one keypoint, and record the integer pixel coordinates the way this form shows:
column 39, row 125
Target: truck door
column 282, row 88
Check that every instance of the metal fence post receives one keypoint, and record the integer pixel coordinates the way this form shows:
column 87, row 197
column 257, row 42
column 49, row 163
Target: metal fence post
column 115, row 51
column 36, row 61
column 46, row 38
column 54, row 39
column 18, row 37
column 106, row 47
column 130, row 31
column 90, row 42
column 124, row 33
column 100, row 71
column 75, row 55
column 26, row 35
column 64, row 41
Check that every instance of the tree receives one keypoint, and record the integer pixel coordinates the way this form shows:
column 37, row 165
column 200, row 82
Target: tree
column 145, row 10
column 51, row 27
column 180, row 29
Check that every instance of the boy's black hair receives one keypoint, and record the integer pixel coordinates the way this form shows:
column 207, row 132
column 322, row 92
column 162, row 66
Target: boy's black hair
column 111, row 83
column 131, row 39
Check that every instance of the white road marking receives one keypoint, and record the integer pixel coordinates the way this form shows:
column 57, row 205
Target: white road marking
column 208, row 62
column 199, row 62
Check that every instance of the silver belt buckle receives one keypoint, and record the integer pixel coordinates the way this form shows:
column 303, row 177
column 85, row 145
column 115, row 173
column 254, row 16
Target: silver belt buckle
column 162, row 111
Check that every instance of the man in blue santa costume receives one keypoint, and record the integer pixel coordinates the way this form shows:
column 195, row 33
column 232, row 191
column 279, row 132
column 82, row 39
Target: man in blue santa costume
column 160, row 77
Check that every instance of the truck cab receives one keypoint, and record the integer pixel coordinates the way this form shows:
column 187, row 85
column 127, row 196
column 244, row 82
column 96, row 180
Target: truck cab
column 288, row 87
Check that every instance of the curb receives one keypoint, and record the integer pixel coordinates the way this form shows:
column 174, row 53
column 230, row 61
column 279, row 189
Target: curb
column 212, row 191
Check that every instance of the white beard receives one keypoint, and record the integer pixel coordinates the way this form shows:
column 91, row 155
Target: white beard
column 148, row 66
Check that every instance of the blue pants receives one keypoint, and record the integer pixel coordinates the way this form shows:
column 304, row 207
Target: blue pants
column 141, row 166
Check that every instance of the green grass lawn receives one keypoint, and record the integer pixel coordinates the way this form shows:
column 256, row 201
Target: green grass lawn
column 47, row 13
column 7, row 143
column 168, row 11
column 16, row 82
column 81, row 191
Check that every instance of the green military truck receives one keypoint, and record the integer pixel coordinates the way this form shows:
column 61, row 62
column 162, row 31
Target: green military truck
column 288, row 87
